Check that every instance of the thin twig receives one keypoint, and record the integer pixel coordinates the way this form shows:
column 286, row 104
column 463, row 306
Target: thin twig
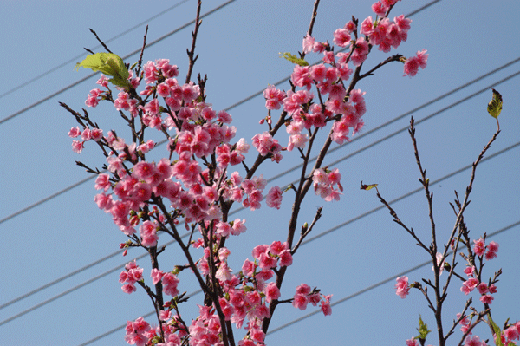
column 191, row 53
column 99, row 40
column 142, row 51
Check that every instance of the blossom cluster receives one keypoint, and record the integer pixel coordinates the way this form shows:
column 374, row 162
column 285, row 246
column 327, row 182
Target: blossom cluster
column 401, row 287
column 130, row 276
column 327, row 183
column 247, row 295
column 482, row 251
column 195, row 183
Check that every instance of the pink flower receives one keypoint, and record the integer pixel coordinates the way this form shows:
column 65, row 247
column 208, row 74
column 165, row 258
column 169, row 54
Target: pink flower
column 401, row 286
column 411, row 66
column 286, row 258
column 380, row 9
column 492, row 249
column 493, row 246
column 143, row 170
column 308, row 44
column 271, row 292
column 473, row 341
column 342, row 37
column 74, row 132
column 511, row 333
column 469, row 285
column 96, row 134
column 482, row 288
column 170, row 283
column 148, row 233
column 325, row 306
column 303, row 289
column 102, row 182
column 469, row 271
column 128, row 288
column 367, row 27
column 412, row 342
column 486, row 299
column 77, row 146
column 300, row 301
column 156, row 276
column 479, row 247
column 274, row 197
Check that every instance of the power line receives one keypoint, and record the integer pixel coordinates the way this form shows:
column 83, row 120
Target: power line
column 84, row 180
column 60, row 279
column 286, row 79
column 122, row 326
column 330, row 230
column 380, row 283
column 333, row 229
column 479, row 78
column 64, row 293
column 48, row 97
column 408, row 194
column 420, row 9
column 313, row 159
column 96, row 47
column 453, row 91
column 54, row 195
column 292, row 169
column 388, row 136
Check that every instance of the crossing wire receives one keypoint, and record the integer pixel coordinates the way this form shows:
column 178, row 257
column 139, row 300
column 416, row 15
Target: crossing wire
column 331, row 230
column 479, row 78
column 48, row 97
column 380, row 283
column 46, row 73
column 79, row 183
column 271, row 179
column 332, row 150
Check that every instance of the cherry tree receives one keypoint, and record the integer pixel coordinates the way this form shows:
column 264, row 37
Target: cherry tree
column 186, row 195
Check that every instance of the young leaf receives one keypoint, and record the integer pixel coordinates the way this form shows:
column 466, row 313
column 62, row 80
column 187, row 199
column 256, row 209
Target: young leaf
column 423, row 329
column 367, row 187
column 495, row 327
column 293, row 59
column 110, row 65
column 495, row 105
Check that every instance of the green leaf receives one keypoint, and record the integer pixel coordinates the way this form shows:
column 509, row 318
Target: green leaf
column 495, row 105
column 110, row 65
column 367, row 187
column 423, row 329
column 495, row 327
column 294, row 59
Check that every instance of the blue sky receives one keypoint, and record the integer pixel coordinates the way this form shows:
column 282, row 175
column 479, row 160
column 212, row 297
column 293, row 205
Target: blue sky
column 238, row 49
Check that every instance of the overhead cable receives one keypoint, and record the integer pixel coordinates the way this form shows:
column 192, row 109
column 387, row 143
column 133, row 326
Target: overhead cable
column 46, row 73
column 48, row 97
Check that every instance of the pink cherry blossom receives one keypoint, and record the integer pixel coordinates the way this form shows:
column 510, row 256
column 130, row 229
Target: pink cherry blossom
column 486, row 299
column 74, row 132
column 300, row 301
column 325, row 305
column 411, row 66
column 412, row 342
column 77, row 146
column 473, row 341
column 402, row 288
column 271, row 292
column 308, row 44
column 342, row 37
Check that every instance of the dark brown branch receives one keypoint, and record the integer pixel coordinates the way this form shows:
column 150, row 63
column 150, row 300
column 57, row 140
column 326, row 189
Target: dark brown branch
column 142, row 51
column 191, row 53
column 99, row 40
